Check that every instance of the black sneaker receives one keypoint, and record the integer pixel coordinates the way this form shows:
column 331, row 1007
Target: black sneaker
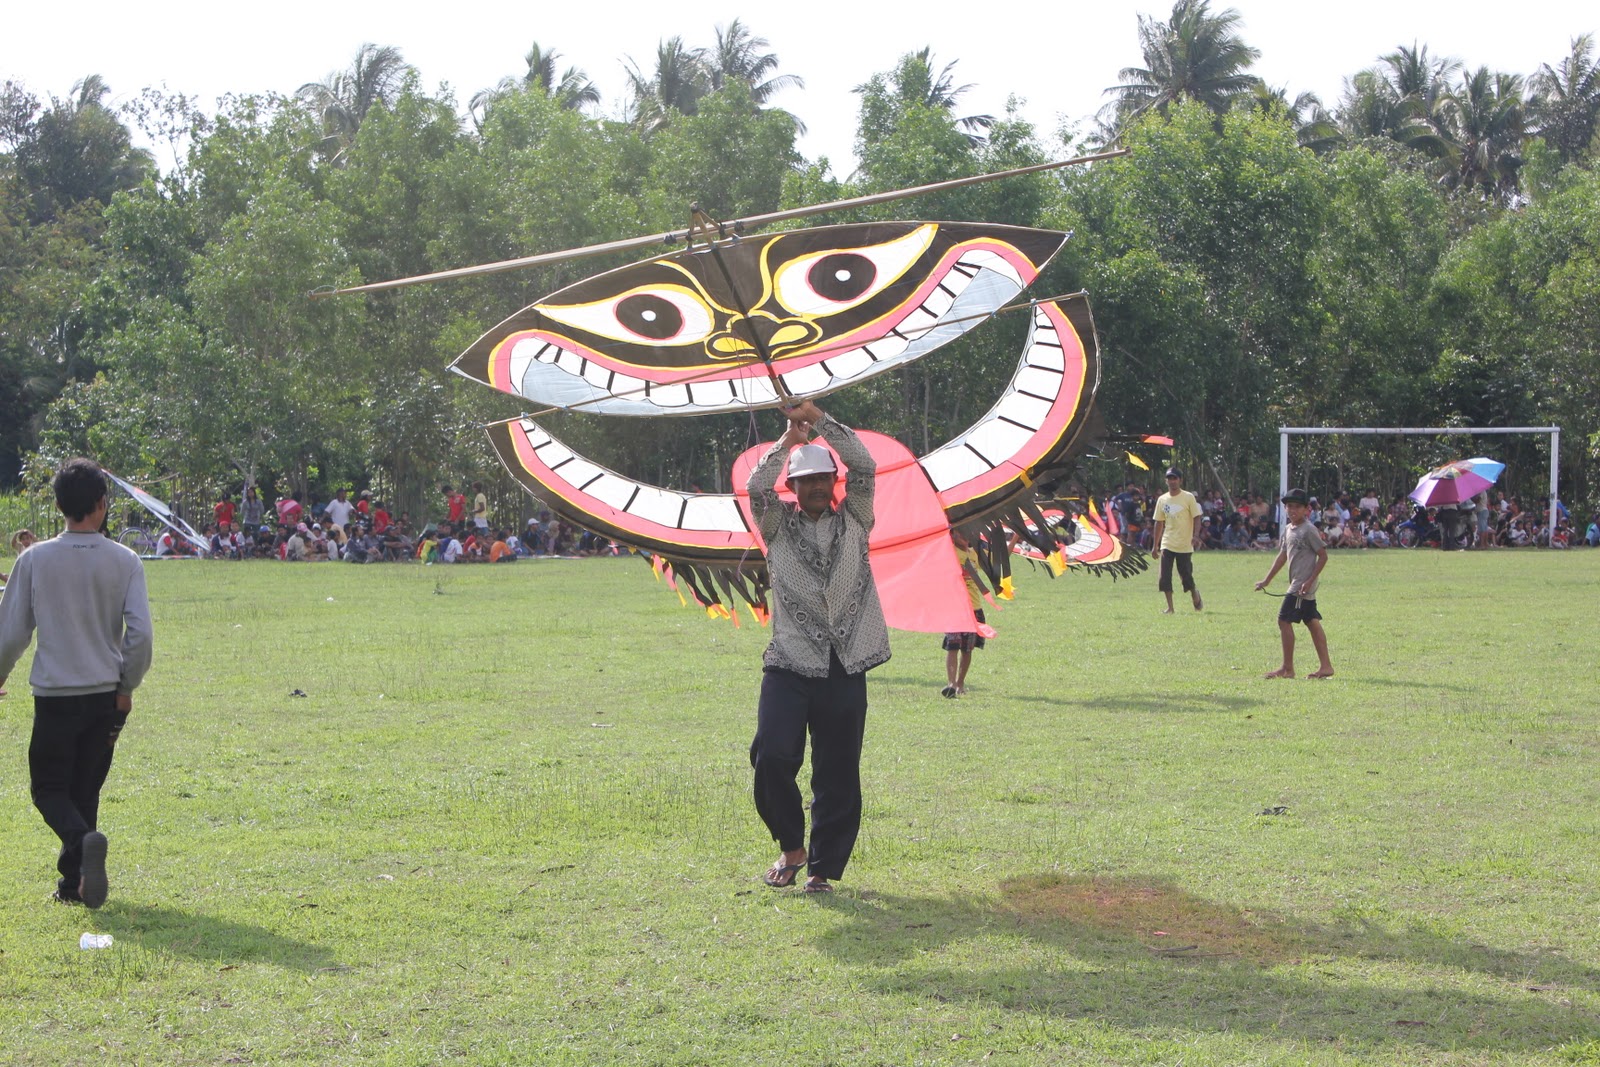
column 62, row 896
column 93, row 888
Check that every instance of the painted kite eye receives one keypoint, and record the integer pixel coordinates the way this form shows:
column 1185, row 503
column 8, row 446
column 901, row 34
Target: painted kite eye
column 827, row 282
column 652, row 314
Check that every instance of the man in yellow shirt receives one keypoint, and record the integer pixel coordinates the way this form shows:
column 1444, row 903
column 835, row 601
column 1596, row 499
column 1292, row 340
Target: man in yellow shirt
column 1178, row 516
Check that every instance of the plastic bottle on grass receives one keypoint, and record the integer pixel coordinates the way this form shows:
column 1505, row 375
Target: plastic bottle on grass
column 88, row 941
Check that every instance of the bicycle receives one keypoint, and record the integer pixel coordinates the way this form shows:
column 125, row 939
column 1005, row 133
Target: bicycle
column 141, row 541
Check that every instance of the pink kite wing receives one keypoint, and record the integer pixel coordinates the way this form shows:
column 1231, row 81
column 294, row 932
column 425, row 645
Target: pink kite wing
column 913, row 560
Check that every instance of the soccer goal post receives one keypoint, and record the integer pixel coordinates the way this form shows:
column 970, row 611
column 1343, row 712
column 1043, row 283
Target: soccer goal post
column 1285, row 432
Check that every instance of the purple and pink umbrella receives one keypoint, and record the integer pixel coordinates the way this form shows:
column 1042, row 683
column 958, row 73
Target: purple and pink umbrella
column 1456, row 482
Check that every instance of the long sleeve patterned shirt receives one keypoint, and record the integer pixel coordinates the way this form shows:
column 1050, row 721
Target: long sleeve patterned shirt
column 824, row 596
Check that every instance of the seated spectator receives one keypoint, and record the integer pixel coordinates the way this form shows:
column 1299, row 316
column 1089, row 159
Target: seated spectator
column 1236, row 535
column 397, row 545
column 449, row 546
column 1591, row 536
column 500, row 551
column 324, row 544
column 1377, row 536
column 297, row 549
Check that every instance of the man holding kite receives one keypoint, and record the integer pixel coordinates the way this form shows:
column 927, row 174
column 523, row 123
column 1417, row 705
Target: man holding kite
column 827, row 632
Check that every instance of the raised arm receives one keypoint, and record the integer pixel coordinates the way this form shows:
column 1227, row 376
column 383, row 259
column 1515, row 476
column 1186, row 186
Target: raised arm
column 765, row 504
column 860, row 485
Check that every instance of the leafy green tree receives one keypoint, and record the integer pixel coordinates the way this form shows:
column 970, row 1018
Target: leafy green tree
column 1195, row 55
column 1198, row 251
column 74, row 152
column 1516, row 300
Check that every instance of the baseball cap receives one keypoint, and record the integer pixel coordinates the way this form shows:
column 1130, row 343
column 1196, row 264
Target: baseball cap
column 1296, row 496
column 811, row 459
column 1174, row 472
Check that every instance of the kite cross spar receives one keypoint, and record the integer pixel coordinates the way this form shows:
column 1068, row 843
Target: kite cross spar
column 737, row 226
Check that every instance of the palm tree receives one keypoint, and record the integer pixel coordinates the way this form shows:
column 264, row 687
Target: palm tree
column 739, row 57
column 681, row 77
column 915, row 83
column 1403, row 98
column 1195, row 56
column 572, row 90
column 344, row 97
column 1484, row 127
column 1565, row 101
column 1313, row 127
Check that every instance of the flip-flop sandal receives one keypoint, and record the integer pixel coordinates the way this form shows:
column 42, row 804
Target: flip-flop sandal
column 817, row 887
column 782, row 875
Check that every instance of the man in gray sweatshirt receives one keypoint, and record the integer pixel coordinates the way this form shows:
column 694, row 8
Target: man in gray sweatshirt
column 85, row 595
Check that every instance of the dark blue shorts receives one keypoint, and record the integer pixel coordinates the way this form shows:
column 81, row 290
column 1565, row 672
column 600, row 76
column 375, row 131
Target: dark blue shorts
column 964, row 642
column 1298, row 609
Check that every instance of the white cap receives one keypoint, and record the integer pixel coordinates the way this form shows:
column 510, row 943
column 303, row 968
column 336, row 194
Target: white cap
column 811, row 459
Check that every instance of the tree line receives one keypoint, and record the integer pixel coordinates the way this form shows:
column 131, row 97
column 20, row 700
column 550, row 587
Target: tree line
column 1424, row 251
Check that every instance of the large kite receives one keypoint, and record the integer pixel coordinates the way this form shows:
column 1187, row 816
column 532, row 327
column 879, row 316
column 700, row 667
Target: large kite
column 735, row 323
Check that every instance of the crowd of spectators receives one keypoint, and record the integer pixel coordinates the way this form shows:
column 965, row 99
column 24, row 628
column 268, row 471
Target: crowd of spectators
column 364, row 530
column 1364, row 521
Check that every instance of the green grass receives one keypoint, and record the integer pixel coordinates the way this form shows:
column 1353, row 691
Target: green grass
column 509, row 823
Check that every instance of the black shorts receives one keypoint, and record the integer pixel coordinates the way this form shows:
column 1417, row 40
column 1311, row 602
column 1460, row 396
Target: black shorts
column 965, row 642
column 1185, row 562
column 1298, row 609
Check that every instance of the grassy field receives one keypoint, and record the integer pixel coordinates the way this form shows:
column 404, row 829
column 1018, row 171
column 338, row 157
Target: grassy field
column 509, row 823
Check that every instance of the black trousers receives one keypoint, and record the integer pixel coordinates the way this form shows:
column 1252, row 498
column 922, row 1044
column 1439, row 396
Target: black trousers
column 834, row 710
column 69, row 757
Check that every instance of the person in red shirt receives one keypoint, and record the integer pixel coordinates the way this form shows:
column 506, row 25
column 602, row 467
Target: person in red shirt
column 380, row 517
column 364, row 505
column 289, row 511
column 456, row 504
column 223, row 511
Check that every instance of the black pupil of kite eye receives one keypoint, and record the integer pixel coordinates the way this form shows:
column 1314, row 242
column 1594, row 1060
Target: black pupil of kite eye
column 650, row 316
column 841, row 276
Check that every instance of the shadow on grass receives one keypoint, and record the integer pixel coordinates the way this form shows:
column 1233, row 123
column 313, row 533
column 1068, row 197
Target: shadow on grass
column 203, row 937
column 1141, row 955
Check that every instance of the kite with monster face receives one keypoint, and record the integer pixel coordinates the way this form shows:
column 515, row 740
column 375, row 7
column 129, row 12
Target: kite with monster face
column 763, row 322
column 733, row 323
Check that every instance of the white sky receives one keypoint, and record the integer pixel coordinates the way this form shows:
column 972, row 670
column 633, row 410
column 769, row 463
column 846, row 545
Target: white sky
column 1058, row 56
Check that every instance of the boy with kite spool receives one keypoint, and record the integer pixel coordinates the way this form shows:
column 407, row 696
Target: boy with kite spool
column 1302, row 549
